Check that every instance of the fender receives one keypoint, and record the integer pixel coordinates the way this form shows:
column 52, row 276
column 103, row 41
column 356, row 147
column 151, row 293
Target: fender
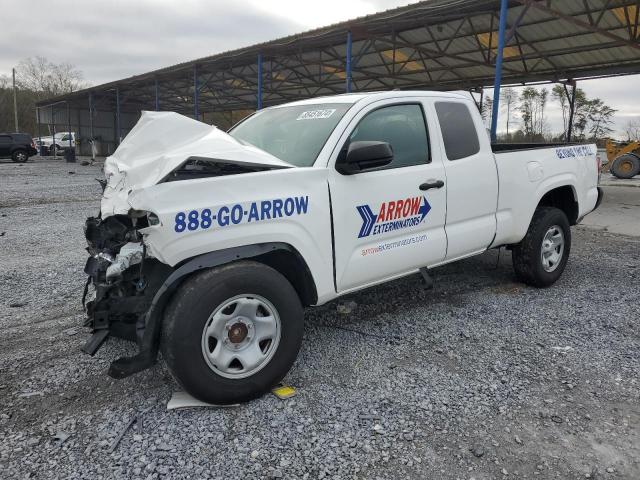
column 149, row 326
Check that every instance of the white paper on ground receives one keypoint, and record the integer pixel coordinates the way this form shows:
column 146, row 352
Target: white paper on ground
column 184, row 400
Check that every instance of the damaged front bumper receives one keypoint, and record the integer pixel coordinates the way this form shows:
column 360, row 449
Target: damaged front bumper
column 123, row 293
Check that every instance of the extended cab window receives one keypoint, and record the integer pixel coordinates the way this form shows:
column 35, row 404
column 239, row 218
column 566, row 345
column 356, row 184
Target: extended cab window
column 458, row 130
column 403, row 127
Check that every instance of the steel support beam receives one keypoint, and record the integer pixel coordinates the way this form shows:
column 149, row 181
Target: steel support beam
column 91, row 116
column 117, row 116
column 585, row 25
column 156, row 88
column 196, row 89
column 259, row 92
column 498, row 77
column 348, row 64
column 69, row 126
column 572, row 108
column 39, row 134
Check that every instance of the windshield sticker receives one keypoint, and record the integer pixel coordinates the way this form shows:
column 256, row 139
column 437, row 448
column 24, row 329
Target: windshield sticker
column 316, row 114
column 393, row 215
column 228, row 215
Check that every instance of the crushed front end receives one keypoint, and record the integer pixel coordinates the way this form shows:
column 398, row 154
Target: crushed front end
column 123, row 280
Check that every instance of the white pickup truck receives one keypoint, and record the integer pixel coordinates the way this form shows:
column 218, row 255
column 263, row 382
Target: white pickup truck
column 209, row 244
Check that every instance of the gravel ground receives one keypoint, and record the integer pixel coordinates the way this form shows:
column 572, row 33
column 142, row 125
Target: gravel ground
column 480, row 377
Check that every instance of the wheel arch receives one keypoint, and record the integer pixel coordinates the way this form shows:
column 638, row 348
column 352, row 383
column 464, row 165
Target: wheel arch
column 281, row 256
column 563, row 198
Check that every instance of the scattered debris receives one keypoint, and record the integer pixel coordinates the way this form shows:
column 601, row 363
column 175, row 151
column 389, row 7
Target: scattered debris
column 284, row 391
column 17, row 304
column 477, row 450
column 556, row 419
column 2, row 234
column 71, row 331
column 184, row 400
column 518, row 440
column 61, row 437
column 345, row 308
column 84, row 163
column 31, row 394
column 71, row 173
column 378, row 428
column 562, row 349
column 116, row 442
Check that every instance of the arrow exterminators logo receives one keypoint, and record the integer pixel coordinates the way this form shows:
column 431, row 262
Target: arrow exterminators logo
column 393, row 215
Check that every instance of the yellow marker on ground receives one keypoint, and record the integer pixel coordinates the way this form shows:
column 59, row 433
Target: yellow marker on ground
column 283, row 392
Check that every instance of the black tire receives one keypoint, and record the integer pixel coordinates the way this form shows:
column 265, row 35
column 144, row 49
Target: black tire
column 626, row 166
column 188, row 313
column 20, row 156
column 527, row 255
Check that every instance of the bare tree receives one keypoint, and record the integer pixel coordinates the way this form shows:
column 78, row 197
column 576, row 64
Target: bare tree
column 532, row 105
column 632, row 129
column 487, row 110
column 508, row 99
column 37, row 79
column 558, row 94
column 48, row 79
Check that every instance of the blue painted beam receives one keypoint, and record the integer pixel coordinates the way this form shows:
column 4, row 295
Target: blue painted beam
column 498, row 79
column 348, row 64
column 196, row 90
column 259, row 92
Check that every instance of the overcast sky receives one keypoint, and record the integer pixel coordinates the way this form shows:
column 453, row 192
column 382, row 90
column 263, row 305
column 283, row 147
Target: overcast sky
column 111, row 39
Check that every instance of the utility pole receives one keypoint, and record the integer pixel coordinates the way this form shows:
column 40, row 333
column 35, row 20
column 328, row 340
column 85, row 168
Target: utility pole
column 15, row 99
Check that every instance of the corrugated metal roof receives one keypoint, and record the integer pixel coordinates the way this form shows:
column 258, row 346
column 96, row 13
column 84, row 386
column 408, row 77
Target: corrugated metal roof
column 436, row 44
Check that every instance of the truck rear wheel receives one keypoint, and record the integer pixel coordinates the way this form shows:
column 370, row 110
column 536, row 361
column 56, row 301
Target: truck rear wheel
column 231, row 333
column 626, row 166
column 540, row 258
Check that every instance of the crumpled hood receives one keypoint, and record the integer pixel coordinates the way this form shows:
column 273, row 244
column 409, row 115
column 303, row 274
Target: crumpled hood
column 158, row 144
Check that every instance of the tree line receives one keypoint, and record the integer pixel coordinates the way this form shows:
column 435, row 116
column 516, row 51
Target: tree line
column 592, row 117
column 36, row 79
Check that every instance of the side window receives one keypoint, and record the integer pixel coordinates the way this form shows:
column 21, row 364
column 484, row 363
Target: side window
column 403, row 127
column 458, row 130
column 5, row 139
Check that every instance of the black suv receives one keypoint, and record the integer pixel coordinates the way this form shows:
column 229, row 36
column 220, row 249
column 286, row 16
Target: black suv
column 17, row 146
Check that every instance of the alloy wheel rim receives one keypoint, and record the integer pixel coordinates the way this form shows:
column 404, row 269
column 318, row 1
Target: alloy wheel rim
column 552, row 248
column 241, row 336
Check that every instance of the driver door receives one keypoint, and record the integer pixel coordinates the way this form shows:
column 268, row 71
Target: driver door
column 389, row 221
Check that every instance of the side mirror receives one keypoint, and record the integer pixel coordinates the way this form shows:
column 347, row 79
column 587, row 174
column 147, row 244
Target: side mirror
column 363, row 156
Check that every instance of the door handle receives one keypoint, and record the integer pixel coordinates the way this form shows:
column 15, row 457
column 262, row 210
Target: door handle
column 430, row 185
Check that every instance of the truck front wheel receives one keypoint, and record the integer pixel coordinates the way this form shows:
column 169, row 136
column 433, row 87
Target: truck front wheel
column 231, row 333
column 540, row 258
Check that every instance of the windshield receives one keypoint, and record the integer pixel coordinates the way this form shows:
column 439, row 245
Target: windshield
column 294, row 134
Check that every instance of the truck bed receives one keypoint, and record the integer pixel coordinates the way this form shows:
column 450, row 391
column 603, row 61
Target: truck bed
column 510, row 147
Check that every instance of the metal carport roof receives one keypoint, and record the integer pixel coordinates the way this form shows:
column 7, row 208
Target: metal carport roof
column 434, row 44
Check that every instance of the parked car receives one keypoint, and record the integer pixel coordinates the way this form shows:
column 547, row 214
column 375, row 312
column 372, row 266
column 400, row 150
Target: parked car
column 17, row 146
column 54, row 144
column 209, row 245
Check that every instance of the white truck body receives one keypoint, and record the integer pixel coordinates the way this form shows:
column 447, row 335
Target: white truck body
column 211, row 243
column 488, row 199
